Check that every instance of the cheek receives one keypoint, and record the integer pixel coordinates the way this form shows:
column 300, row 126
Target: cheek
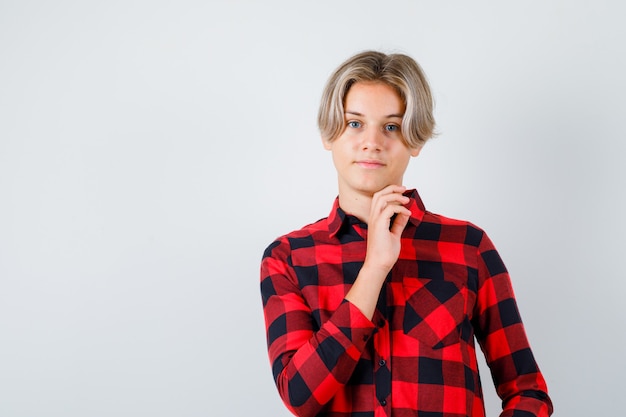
column 403, row 162
column 338, row 158
column 403, row 156
column 341, row 153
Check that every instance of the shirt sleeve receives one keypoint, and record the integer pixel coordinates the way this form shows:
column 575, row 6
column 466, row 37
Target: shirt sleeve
column 501, row 335
column 309, row 365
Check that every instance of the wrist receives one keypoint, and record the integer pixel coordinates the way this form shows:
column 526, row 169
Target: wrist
column 374, row 272
column 376, row 268
column 365, row 291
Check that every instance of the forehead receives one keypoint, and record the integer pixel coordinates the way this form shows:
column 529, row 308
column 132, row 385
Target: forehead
column 373, row 97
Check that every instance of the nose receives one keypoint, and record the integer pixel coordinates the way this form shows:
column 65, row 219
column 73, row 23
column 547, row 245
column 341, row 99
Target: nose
column 373, row 139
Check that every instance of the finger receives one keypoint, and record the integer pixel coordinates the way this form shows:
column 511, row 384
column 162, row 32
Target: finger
column 388, row 199
column 399, row 223
column 389, row 212
column 394, row 209
column 390, row 189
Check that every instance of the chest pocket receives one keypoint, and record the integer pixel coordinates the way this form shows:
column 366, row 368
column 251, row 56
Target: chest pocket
column 434, row 311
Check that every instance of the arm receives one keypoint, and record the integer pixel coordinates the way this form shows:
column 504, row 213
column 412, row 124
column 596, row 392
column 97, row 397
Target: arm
column 501, row 334
column 310, row 366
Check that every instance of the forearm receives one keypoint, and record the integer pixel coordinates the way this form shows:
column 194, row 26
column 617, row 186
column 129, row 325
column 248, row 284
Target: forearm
column 500, row 332
column 366, row 289
column 311, row 367
column 534, row 400
column 519, row 382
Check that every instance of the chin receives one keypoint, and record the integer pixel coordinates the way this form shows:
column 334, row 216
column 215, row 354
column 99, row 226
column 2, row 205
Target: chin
column 370, row 189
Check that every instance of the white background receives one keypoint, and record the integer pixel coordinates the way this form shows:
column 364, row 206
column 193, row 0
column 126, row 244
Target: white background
column 151, row 150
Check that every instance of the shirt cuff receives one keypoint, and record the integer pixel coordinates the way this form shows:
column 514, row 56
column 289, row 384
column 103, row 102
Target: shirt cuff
column 353, row 325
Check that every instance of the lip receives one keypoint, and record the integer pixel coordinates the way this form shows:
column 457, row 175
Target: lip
column 370, row 163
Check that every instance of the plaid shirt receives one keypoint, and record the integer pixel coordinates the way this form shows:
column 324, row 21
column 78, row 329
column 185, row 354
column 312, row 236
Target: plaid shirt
column 417, row 356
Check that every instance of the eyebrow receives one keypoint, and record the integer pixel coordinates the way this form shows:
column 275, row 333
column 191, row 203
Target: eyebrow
column 356, row 113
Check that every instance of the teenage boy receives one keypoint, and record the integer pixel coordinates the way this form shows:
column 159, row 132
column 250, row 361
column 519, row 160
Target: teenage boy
column 373, row 311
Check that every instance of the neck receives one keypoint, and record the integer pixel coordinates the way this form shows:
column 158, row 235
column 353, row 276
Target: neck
column 357, row 205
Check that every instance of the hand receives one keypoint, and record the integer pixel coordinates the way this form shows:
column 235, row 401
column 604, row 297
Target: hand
column 383, row 240
column 383, row 247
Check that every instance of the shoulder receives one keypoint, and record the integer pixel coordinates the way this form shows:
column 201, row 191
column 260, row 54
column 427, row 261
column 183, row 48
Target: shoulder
column 452, row 230
column 306, row 236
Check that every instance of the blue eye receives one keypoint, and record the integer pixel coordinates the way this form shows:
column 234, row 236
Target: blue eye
column 392, row 128
column 354, row 124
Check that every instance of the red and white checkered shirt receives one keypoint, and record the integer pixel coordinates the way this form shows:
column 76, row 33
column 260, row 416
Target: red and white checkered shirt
column 417, row 356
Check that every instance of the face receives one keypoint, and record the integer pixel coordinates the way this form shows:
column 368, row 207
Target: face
column 370, row 154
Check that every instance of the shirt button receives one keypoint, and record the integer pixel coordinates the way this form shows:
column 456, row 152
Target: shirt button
column 382, row 362
column 383, row 402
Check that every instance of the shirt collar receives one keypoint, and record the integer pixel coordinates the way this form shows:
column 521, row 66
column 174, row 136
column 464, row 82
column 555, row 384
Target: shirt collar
column 338, row 218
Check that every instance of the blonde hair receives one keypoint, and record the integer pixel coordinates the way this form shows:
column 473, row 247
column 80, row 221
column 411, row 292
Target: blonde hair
column 396, row 70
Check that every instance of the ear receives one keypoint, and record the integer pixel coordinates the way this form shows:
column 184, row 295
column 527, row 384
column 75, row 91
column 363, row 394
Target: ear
column 415, row 151
column 328, row 145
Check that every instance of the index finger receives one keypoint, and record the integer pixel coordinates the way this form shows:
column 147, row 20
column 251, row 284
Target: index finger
column 390, row 189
